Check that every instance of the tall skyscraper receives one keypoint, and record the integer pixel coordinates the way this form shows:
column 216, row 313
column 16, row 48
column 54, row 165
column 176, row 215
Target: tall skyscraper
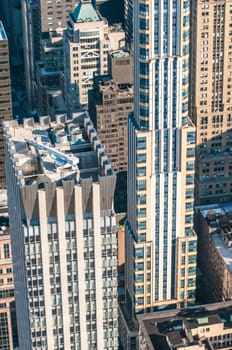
column 160, row 242
column 63, row 232
column 5, row 97
column 211, row 98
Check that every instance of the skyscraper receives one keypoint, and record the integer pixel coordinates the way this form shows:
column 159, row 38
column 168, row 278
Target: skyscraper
column 211, row 98
column 160, row 241
column 63, row 233
column 5, row 96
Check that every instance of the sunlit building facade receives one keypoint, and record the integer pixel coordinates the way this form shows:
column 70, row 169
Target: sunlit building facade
column 160, row 241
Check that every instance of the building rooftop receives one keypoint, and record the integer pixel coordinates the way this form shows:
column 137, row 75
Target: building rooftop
column 50, row 151
column 2, row 32
column 187, row 328
column 219, row 220
column 85, row 12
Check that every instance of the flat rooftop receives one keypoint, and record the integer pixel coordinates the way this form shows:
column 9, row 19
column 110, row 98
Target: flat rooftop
column 2, row 32
column 50, row 151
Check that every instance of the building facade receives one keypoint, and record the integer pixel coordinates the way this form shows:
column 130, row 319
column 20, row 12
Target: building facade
column 110, row 101
column 211, row 98
column 7, row 294
column 5, row 96
column 160, row 241
column 64, row 235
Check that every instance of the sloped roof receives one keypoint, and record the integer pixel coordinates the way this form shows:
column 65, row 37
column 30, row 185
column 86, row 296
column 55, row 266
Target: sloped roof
column 85, row 12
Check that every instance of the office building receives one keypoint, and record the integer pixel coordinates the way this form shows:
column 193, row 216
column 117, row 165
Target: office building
column 87, row 42
column 214, row 231
column 64, row 235
column 161, row 244
column 5, row 96
column 206, row 327
column 211, row 99
column 110, row 101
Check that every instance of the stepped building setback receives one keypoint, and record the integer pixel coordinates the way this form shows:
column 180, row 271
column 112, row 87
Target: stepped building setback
column 63, row 231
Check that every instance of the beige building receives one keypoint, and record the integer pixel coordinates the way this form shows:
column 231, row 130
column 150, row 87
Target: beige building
column 211, row 98
column 7, row 295
column 63, row 233
column 214, row 230
column 206, row 327
column 5, row 96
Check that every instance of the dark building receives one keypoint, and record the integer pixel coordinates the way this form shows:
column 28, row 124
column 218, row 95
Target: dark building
column 5, row 96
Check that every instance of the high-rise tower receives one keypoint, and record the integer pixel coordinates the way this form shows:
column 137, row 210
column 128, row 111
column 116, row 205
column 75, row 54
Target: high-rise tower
column 160, row 241
column 211, row 98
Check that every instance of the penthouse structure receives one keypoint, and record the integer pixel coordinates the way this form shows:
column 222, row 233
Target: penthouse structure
column 207, row 327
column 214, row 230
column 63, row 232
column 211, row 98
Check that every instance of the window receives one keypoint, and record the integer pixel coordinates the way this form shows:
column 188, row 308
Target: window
column 6, row 251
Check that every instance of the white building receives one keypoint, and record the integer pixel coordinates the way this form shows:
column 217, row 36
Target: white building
column 63, row 231
column 87, row 42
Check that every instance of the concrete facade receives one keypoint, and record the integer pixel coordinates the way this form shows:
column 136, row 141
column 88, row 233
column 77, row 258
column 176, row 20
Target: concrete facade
column 64, row 237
